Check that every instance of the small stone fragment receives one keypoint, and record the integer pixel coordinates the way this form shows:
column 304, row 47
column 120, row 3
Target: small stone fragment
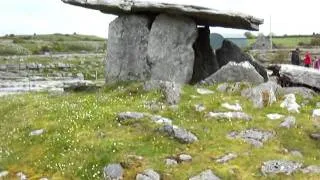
column 226, row 158
column 232, row 107
column 203, row 91
column 171, row 162
column 205, row 175
column 148, row 174
column 230, row 116
column 130, row 115
column 3, row 174
column 37, row 132
column 288, row 122
column 200, row 107
column 113, row 172
column 274, row 116
column 185, row 157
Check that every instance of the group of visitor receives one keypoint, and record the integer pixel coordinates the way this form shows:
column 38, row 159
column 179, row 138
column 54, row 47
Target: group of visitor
column 307, row 61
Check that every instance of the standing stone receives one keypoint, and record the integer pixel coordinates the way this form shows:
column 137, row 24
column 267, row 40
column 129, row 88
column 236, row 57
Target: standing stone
column 170, row 53
column 231, row 52
column 127, row 48
column 205, row 61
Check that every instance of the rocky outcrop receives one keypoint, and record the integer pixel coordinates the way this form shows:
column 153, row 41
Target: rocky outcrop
column 127, row 49
column 201, row 15
column 234, row 72
column 292, row 75
column 170, row 52
column 231, row 52
column 205, row 61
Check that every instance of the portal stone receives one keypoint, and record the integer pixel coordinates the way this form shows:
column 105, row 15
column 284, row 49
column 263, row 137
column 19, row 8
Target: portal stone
column 170, row 53
column 127, row 49
column 205, row 61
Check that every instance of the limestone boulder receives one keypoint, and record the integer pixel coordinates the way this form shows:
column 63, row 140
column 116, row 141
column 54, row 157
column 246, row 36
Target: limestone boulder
column 235, row 72
column 292, row 75
column 127, row 49
column 170, row 52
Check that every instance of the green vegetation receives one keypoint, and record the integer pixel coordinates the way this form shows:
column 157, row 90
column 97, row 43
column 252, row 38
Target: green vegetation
column 82, row 135
column 55, row 43
column 288, row 42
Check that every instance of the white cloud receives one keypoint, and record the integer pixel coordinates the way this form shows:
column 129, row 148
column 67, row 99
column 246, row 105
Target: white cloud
column 51, row 16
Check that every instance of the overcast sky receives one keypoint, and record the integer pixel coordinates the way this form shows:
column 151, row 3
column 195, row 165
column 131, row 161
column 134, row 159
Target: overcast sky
column 53, row 16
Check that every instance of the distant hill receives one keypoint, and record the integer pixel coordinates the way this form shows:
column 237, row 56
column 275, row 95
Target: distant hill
column 50, row 43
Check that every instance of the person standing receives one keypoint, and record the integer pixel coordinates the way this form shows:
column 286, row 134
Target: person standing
column 317, row 64
column 295, row 57
column 307, row 59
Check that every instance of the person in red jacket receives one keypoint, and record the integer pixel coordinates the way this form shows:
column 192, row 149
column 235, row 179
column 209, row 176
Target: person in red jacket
column 307, row 60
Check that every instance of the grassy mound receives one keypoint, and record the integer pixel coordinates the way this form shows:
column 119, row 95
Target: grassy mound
column 82, row 135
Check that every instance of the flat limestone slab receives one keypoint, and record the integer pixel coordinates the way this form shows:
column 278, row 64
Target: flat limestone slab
column 201, row 15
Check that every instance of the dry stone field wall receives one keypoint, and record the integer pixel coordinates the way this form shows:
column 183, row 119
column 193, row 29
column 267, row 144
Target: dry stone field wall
column 48, row 72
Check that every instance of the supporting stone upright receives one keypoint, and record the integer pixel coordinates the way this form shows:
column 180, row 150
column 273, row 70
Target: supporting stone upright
column 170, row 53
column 127, row 49
column 205, row 61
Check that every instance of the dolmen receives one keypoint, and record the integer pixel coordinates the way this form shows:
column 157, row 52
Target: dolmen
column 167, row 42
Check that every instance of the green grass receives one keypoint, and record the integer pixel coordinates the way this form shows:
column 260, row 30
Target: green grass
column 286, row 42
column 55, row 43
column 83, row 135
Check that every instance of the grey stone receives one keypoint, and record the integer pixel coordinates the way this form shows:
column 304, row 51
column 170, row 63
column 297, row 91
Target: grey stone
column 22, row 176
column 230, row 116
column 180, row 134
column 313, row 169
column 148, row 174
column 202, row 15
column 254, row 137
column 280, row 166
column 302, row 91
column 288, row 122
column 161, row 120
column 171, row 92
column 123, row 116
column 275, row 116
column 232, row 107
column 315, row 136
column 231, row 52
column 185, row 157
column 170, row 52
column 262, row 95
column 292, row 75
column 37, row 132
column 203, row 91
column 200, row 107
column 235, row 72
column 127, row 49
column 171, row 162
column 205, row 61
column 3, row 174
column 290, row 104
column 113, row 172
column 205, row 175
column 226, row 158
